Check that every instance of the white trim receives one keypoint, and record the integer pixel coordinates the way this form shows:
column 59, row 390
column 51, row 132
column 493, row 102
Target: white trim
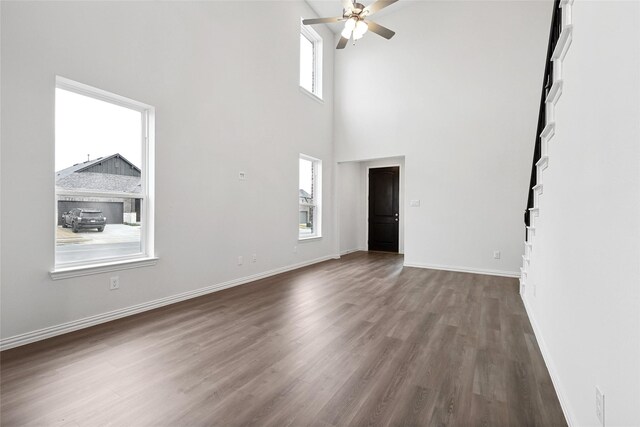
column 349, row 251
column 102, row 267
column 100, row 94
column 500, row 273
column 537, row 188
column 318, row 50
column 551, row 368
column 306, row 239
column 543, row 162
column 566, row 6
column 550, row 113
column 562, row 46
column 554, row 93
column 103, row 195
column 548, row 131
column 147, row 139
column 52, row 331
column 316, row 182
column 311, row 95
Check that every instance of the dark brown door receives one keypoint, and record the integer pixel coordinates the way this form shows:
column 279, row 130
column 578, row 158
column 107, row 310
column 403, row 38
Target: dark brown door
column 384, row 218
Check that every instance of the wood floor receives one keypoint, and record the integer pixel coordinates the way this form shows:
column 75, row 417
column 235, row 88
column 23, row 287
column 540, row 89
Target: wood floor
column 356, row 341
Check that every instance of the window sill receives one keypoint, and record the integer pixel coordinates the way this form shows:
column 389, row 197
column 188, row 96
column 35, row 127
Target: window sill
column 104, row 267
column 311, row 95
column 306, row 239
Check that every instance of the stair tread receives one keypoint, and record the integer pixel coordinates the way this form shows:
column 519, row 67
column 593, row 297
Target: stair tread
column 543, row 160
column 547, row 129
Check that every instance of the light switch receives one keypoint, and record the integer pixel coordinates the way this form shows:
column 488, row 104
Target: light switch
column 414, row 203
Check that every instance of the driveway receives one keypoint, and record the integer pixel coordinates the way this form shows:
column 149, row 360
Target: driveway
column 113, row 233
column 116, row 240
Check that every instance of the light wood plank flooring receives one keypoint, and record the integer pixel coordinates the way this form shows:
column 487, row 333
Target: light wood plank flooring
column 357, row 341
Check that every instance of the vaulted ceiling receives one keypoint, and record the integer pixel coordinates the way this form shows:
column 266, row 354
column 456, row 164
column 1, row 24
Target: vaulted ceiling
column 328, row 8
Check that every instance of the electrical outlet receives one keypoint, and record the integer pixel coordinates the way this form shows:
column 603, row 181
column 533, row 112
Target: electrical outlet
column 600, row 405
column 254, row 258
column 114, row 283
column 496, row 254
column 240, row 260
column 242, row 176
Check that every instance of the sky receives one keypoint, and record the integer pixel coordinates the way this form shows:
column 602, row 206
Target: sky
column 306, row 63
column 87, row 126
column 305, row 175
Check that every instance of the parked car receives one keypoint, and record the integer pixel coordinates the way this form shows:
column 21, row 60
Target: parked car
column 79, row 218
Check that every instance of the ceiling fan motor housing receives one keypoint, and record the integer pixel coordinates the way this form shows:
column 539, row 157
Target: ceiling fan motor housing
column 355, row 11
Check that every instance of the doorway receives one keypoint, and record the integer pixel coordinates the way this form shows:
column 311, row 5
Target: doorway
column 384, row 209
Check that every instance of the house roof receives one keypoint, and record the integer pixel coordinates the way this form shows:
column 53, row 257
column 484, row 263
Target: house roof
column 80, row 167
column 92, row 181
column 304, row 194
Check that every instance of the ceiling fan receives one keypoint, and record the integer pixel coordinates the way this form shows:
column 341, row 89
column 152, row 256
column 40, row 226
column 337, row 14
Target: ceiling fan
column 355, row 26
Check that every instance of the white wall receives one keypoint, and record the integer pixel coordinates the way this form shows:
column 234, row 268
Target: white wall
column 585, row 260
column 223, row 77
column 456, row 92
column 351, row 219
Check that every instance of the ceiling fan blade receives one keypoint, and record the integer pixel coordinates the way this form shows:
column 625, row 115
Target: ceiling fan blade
column 314, row 21
column 342, row 43
column 380, row 30
column 347, row 5
column 380, row 4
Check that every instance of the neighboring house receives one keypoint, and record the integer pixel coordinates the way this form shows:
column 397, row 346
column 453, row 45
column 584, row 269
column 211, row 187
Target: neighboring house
column 104, row 174
column 305, row 209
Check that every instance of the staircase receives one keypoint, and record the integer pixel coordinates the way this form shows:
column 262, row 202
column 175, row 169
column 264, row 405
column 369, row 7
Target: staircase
column 559, row 42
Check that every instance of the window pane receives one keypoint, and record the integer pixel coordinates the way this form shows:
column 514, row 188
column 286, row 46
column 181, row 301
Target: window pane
column 306, row 178
column 87, row 129
column 98, row 178
column 307, row 209
column 306, row 64
column 94, row 228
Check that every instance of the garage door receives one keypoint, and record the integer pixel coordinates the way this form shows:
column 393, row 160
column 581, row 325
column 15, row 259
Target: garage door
column 112, row 210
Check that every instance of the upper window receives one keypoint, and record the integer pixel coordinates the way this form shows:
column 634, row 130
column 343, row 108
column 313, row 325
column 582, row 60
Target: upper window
column 310, row 60
column 310, row 196
column 103, row 178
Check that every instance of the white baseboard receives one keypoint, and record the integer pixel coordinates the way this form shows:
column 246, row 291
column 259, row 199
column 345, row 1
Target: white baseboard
column 41, row 334
column 348, row 251
column 551, row 367
column 465, row 270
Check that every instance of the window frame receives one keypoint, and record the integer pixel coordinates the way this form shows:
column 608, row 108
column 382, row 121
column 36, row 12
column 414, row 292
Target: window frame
column 147, row 194
column 316, row 182
column 316, row 79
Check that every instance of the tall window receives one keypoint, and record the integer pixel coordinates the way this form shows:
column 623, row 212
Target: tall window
column 103, row 178
column 310, row 196
column 310, row 61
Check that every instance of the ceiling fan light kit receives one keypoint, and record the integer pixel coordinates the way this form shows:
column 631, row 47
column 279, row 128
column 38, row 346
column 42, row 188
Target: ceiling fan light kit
column 355, row 26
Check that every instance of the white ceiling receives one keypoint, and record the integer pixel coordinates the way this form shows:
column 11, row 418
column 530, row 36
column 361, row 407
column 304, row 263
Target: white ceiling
column 329, row 8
